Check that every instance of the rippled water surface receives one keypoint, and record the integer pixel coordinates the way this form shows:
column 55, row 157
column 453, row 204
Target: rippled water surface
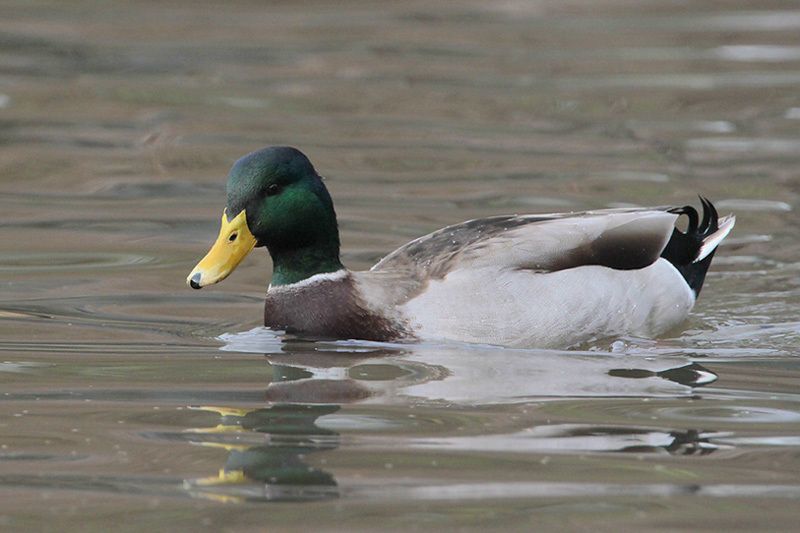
column 129, row 402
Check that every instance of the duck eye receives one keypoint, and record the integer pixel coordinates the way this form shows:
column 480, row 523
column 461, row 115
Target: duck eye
column 273, row 189
column 233, row 237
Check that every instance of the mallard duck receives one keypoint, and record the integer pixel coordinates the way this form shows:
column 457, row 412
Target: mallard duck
column 553, row 280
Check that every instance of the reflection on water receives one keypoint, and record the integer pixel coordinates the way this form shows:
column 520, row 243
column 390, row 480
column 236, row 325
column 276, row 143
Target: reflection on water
column 462, row 373
column 275, row 470
column 125, row 398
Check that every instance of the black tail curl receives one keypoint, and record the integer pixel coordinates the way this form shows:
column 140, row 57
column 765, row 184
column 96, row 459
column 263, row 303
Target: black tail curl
column 684, row 247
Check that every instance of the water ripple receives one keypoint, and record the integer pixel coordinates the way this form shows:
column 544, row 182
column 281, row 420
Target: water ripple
column 20, row 262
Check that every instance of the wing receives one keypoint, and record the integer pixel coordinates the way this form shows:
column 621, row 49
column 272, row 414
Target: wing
column 615, row 238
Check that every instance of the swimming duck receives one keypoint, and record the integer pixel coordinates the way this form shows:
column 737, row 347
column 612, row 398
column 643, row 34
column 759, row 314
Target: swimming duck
column 553, row 280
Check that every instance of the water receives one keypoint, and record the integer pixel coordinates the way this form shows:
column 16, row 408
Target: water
column 129, row 401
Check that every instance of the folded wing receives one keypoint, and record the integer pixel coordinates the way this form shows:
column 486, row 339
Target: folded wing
column 622, row 239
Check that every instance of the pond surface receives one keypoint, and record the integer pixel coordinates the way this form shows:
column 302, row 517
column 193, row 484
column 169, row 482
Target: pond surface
column 129, row 401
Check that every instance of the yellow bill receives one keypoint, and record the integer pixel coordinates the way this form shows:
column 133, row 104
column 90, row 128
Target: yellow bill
column 233, row 243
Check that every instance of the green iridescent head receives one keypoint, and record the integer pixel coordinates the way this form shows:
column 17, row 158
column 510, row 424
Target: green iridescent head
column 275, row 199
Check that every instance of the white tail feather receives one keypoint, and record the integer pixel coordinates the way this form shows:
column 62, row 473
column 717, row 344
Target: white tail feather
column 711, row 242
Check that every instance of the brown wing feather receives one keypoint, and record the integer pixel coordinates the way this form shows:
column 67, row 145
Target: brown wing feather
column 434, row 254
column 622, row 239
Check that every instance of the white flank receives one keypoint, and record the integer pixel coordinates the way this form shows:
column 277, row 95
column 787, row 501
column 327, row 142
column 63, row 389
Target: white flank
column 316, row 278
column 556, row 309
column 711, row 242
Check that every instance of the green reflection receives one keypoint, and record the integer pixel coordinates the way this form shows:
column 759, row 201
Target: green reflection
column 276, row 470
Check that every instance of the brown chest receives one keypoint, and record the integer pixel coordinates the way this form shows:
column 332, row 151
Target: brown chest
column 330, row 309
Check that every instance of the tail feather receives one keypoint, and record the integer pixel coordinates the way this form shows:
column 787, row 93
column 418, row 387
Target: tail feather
column 711, row 242
column 690, row 252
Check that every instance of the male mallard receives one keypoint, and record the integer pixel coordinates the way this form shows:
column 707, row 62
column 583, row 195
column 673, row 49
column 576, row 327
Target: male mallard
column 531, row 280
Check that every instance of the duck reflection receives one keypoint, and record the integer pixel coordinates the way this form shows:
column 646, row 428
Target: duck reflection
column 269, row 448
column 689, row 375
column 694, row 442
column 595, row 438
column 464, row 375
column 276, row 469
column 395, row 376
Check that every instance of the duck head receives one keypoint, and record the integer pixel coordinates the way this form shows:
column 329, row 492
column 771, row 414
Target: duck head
column 275, row 199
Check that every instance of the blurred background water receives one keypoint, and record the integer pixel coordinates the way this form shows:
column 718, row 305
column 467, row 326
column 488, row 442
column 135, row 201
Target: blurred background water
column 128, row 401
